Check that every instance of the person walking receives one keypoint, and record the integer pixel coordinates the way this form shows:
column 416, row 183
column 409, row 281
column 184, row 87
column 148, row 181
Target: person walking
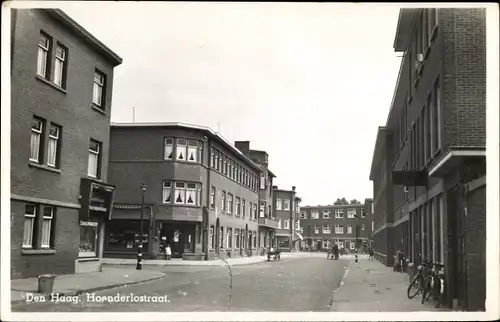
column 168, row 252
column 370, row 252
column 336, row 251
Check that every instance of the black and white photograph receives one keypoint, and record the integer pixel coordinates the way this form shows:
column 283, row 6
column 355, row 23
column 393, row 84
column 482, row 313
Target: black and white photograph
column 258, row 161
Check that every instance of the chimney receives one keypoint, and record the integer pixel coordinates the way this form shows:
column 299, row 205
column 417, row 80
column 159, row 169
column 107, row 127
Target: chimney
column 243, row 146
column 293, row 188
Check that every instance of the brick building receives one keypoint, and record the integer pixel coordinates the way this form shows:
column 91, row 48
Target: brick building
column 349, row 226
column 202, row 192
column 286, row 207
column 267, row 218
column 62, row 80
column 428, row 168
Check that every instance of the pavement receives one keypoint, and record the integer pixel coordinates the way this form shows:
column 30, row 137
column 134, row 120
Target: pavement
column 370, row 286
column 299, row 282
column 74, row 284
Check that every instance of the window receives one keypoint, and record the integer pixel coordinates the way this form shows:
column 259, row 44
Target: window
column 224, row 167
column 286, row 204
column 193, row 194
column 180, row 192
column 262, row 181
column 352, row 245
column 349, row 229
column 212, row 157
column 29, row 226
column 255, row 211
column 59, row 67
column 278, row 204
column 339, row 213
column 53, row 145
column 339, row 229
column 436, row 118
column 316, row 229
column 341, row 244
column 212, row 197
column 238, row 205
column 254, row 237
column 169, row 149
column 262, row 209
column 363, row 213
column 427, row 129
column 287, row 224
column 212, row 240
column 243, row 208
column 167, row 191
column 303, row 215
column 229, row 203
column 181, row 149
column 326, row 214
column 221, row 238
column 43, row 56
column 98, row 97
column 297, row 225
column 363, row 226
column 221, row 161
column 237, row 237
column 230, row 237
column 223, row 201
column 314, row 214
column 233, row 170
column 188, row 193
column 36, row 139
column 327, row 229
column 88, row 239
column 48, row 216
column 94, row 158
column 351, row 213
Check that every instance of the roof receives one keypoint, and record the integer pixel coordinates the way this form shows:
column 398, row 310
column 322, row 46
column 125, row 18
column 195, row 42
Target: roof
column 333, row 206
column 205, row 129
column 379, row 143
column 403, row 29
column 85, row 35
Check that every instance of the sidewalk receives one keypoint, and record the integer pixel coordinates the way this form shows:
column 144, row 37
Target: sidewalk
column 369, row 286
column 74, row 284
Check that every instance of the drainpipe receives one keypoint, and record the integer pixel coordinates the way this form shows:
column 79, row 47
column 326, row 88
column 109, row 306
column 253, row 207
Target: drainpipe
column 206, row 214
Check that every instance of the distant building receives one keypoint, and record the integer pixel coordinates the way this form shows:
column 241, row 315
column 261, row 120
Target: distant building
column 348, row 226
column 429, row 161
column 286, row 208
column 62, row 83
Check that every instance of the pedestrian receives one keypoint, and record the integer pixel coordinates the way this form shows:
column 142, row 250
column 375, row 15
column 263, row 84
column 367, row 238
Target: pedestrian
column 370, row 252
column 168, row 251
column 336, row 251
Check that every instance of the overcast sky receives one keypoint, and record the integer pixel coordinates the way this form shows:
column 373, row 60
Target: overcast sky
column 308, row 83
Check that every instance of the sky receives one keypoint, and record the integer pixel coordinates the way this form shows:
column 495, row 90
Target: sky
column 307, row 82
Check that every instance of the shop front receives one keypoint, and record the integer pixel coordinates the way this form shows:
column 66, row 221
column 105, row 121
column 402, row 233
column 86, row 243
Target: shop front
column 180, row 236
column 284, row 242
column 123, row 238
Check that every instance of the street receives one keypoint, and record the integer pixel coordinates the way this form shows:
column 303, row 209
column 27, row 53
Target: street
column 292, row 284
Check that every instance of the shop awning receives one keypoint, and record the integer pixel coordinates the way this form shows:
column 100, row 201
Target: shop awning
column 297, row 236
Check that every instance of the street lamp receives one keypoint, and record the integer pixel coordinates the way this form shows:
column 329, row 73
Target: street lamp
column 139, row 248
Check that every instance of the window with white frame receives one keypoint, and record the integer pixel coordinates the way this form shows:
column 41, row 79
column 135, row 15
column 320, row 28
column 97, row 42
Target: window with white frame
column 229, row 203
column 262, row 209
column 316, row 229
column 221, row 237
column 223, row 201
column 53, row 145
column 188, row 193
column 221, row 161
column 167, row 191
column 29, row 225
column 43, row 56
column 237, row 237
column 286, row 204
column 314, row 214
column 243, row 208
column 48, row 216
column 194, row 151
column 287, row 224
column 255, row 211
column 326, row 214
column 326, row 244
column 339, row 229
column 94, row 158
column 351, row 213
column 339, row 213
column 212, row 197
column 262, row 181
column 327, row 229
column 193, row 194
column 180, row 192
column 181, row 149
column 363, row 213
column 88, row 239
column 216, row 165
column 59, row 65
column 279, row 223
column 254, row 236
column 98, row 96
column 341, row 244
column 278, row 204
column 349, row 229
column 212, row 157
column 36, row 139
column 230, row 237
column 238, row 205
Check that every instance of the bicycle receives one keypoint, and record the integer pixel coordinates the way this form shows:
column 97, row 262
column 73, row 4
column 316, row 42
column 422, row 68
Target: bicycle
column 434, row 285
column 418, row 283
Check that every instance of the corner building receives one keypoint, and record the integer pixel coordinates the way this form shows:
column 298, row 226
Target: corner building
column 201, row 198
column 287, row 208
column 429, row 162
column 61, row 87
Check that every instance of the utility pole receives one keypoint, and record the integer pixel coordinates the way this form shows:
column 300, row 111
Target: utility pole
column 139, row 248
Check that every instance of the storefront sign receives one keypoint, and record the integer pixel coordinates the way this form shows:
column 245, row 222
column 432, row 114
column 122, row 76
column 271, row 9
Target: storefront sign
column 88, row 223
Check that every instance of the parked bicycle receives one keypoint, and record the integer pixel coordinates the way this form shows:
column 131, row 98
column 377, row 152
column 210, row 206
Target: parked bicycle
column 434, row 285
column 417, row 285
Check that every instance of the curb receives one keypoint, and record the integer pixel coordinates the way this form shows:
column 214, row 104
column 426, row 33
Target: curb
column 94, row 289
column 181, row 265
column 332, row 305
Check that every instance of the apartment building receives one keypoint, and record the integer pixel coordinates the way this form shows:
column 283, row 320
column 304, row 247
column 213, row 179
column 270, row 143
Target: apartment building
column 286, row 207
column 202, row 192
column 428, row 168
column 268, row 223
column 348, row 226
column 62, row 81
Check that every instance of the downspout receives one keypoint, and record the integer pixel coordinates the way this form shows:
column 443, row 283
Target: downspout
column 205, row 210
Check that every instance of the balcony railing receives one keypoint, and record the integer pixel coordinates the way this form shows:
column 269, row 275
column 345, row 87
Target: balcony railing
column 268, row 222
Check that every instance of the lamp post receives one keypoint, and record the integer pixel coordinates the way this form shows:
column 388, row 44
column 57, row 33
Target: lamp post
column 139, row 248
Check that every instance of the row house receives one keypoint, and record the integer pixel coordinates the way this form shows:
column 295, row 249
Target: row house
column 61, row 88
column 348, row 226
column 429, row 161
column 286, row 207
column 202, row 193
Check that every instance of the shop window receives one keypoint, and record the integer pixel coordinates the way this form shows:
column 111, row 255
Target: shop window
column 88, row 239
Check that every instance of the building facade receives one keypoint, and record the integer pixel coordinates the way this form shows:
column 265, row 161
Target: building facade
column 202, row 193
column 348, row 226
column 62, row 80
column 286, row 207
column 267, row 218
column 428, row 168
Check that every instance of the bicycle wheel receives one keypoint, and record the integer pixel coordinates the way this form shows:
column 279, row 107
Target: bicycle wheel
column 427, row 290
column 414, row 287
column 437, row 293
